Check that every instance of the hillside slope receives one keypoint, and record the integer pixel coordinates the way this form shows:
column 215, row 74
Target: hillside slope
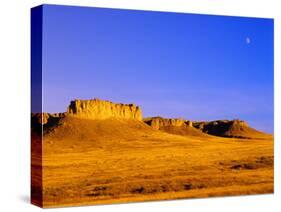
column 80, row 134
column 105, row 161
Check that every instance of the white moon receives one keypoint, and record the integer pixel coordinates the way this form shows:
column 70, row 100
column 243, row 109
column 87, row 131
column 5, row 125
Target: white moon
column 248, row 40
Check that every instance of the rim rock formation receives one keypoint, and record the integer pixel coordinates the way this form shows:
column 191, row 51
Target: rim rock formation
column 174, row 126
column 96, row 109
column 159, row 122
column 99, row 110
column 230, row 128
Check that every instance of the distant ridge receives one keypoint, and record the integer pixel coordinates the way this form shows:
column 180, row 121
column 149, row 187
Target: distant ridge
column 174, row 126
column 96, row 109
column 233, row 129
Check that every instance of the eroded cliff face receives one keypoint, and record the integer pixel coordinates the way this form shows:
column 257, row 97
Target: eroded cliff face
column 227, row 128
column 219, row 124
column 42, row 122
column 44, row 118
column 159, row 122
column 98, row 110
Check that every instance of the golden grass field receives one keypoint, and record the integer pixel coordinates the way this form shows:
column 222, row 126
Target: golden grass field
column 114, row 161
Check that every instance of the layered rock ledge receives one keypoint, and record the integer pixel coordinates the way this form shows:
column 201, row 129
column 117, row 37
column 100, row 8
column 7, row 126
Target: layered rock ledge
column 159, row 122
column 219, row 125
column 100, row 109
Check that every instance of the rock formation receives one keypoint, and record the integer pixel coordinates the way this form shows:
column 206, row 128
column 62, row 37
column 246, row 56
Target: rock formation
column 174, row 126
column 45, row 121
column 229, row 128
column 99, row 109
column 96, row 109
column 86, row 109
column 189, row 123
column 44, row 118
column 218, row 127
column 159, row 122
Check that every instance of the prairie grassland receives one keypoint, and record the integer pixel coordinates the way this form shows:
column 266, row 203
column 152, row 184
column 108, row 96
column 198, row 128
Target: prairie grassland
column 114, row 161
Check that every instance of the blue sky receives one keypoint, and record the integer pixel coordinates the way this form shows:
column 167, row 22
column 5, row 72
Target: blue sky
column 197, row 67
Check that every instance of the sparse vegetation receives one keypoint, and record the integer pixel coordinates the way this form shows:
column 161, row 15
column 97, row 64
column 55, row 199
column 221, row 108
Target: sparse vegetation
column 116, row 160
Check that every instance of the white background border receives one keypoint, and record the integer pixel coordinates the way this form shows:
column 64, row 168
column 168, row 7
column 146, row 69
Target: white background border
column 15, row 101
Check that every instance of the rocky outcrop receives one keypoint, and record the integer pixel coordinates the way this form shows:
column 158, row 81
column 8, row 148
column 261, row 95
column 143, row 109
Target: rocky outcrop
column 42, row 122
column 159, row 122
column 86, row 109
column 189, row 123
column 45, row 118
column 174, row 126
column 229, row 128
column 99, row 109
column 219, row 126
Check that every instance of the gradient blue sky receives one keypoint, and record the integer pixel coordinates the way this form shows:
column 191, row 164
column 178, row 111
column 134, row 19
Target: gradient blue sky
column 197, row 67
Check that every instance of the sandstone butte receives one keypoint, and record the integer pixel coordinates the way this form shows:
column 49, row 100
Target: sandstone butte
column 98, row 109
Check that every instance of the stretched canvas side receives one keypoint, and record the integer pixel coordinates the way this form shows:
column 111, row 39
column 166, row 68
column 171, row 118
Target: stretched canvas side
column 36, row 107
